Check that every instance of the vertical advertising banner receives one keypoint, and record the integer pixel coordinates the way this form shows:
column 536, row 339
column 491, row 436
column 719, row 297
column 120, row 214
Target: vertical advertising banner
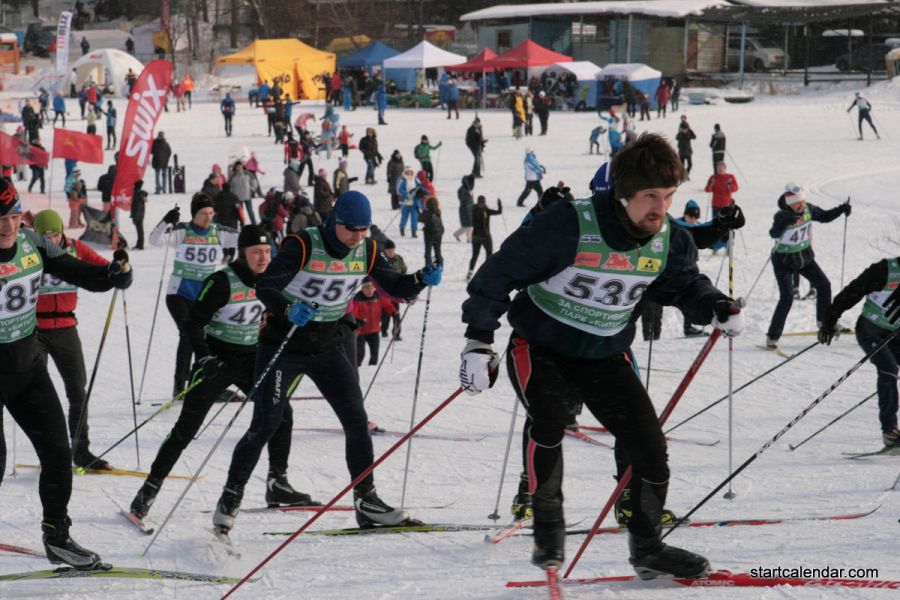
column 63, row 33
column 145, row 105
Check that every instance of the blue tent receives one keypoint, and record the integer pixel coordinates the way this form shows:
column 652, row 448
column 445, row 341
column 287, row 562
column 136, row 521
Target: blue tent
column 374, row 55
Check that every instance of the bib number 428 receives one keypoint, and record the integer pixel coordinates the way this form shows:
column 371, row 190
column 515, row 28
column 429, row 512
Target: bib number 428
column 609, row 292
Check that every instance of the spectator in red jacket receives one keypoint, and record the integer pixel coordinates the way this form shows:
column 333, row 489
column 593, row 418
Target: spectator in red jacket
column 663, row 94
column 58, row 335
column 722, row 185
column 368, row 307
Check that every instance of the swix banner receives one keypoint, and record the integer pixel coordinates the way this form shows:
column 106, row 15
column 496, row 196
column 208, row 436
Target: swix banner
column 145, row 105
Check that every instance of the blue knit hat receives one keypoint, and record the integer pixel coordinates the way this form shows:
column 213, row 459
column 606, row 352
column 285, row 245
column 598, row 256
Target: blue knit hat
column 353, row 208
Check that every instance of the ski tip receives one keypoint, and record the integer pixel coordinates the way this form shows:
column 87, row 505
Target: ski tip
column 79, row 470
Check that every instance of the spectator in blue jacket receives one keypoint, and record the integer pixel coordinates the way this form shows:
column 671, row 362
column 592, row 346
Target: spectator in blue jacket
column 406, row 189
column 263, row 92
column 59, row 108
column 228, row 109
column 534, row 172
column 452, row 93
column 381, row 103
column 111, row 117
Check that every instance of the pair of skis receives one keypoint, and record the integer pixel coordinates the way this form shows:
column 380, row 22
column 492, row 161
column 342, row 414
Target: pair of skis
column 108, row 570
column 714, row 579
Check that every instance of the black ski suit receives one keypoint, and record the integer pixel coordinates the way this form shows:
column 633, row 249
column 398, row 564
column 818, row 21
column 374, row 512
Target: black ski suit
column 27, row 392
column 552, row 364
column 239, row 365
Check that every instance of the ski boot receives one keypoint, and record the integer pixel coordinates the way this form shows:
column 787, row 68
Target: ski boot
column 796, row 293
column 651, row 558
column 82, row 457
column 771, row 344
column 891, row 438
column 810, row 295
column 61, row 549
column 227, row 508
column 374, row 428
column 144, row 498
column 280, row 493
column 521, row 505
column 623, row 511
column 372, row 511
column 691, row 331
column 549, row 544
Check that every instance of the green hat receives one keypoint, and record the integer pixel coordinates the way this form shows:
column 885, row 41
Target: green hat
column 48, row 221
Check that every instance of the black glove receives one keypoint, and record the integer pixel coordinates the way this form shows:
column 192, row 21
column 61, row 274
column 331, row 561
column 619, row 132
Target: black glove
column 209, row 366
column 847, row 208
column 892, row 306
column 172, row 217
column 499, row 203
column 828, row 332
column 731, row 217
column 119, row 271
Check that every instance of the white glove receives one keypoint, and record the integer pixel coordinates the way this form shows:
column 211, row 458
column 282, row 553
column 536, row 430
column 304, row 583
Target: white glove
column 479, row 367
column 728, row 317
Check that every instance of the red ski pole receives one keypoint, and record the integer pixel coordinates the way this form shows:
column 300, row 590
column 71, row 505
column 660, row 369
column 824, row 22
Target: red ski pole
column 626, row 477
column 344, row 491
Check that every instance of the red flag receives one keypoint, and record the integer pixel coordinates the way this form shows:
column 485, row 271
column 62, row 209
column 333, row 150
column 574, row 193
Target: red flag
column 83, row 147
column 14, row 151
column 148, row 97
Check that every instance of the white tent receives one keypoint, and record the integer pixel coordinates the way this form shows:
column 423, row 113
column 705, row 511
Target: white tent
column 583, row 70
column 633, row 71
column 424, row 56
column 104, row 66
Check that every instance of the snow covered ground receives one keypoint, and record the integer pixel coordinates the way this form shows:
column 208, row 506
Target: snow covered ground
column 802, row 138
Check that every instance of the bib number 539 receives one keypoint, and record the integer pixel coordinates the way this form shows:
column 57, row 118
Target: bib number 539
column 609, row 292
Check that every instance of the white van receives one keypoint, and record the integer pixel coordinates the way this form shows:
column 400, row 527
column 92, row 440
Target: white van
column 757, row 56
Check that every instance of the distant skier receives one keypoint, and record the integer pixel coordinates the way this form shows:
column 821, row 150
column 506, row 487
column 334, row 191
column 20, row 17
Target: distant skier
column 793, row 253
column 873, row 326
column 864, row 107
column 717, row 145
column 227, row 107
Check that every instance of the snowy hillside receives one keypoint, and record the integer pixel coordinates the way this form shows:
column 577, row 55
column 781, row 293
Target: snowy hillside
column 802, row 138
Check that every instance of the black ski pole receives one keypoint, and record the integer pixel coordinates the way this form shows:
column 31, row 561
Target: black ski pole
column 384, row 356
column 748, row 384
column 162, row 277
column 784, row 430
column 82, row 421
column 137, row 445
column 412, row 414
column 835, row 420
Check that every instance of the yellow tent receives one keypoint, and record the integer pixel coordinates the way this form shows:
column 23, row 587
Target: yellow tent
column 293, row 62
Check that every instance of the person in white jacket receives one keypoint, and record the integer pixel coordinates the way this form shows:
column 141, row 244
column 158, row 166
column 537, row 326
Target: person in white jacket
column 534, row 172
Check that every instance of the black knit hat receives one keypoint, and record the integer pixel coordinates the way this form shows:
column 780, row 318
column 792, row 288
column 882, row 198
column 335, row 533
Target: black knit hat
column 252, row 235
column 199, row 201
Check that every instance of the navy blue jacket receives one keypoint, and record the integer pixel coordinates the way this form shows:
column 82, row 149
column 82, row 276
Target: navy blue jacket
column 546, row 246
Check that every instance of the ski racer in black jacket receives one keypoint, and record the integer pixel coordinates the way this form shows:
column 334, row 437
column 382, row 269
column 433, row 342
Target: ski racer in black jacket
column 581, row 268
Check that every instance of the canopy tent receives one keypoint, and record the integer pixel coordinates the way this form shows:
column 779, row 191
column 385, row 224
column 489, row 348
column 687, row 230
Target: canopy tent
column 476, row 64
column 341, row 45
column 374, row 55
column 586, row 73
column 106, row 66
column 424, row 56
column 292, row 61
column 642, row 77
column 527, row 54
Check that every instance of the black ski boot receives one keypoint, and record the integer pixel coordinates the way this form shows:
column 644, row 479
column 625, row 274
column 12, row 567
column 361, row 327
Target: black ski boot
column 891, row 438
column 280, row 493
column 144, row 498
column 691, row 331
column 228, row 507
column 82, row 457
column 521, row 505
column 549, row 544
column 372, row 511
column 61, row 549
column 651, row 558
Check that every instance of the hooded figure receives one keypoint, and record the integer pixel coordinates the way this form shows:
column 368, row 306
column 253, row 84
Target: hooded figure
column 466, row 200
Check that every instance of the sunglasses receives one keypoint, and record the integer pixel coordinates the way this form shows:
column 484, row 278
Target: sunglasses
column 356, row 229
